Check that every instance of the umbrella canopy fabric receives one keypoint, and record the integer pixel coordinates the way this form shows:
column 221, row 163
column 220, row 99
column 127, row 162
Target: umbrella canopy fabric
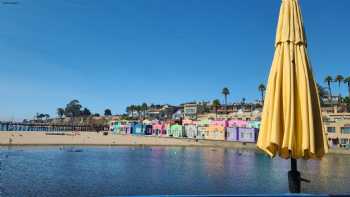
column 291, row 123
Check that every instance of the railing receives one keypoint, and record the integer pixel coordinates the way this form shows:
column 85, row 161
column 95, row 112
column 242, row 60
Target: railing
column 12, row 126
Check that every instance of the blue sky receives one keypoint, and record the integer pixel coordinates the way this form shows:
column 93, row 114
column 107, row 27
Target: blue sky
column 112, row 53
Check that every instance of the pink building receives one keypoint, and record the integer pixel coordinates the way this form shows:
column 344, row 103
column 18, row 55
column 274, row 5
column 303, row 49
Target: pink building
column 188, row 122
column 158, row 129
column 237, row 123
column 222, row 123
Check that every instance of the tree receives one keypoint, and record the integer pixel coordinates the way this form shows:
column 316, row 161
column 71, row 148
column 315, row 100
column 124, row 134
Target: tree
column 86, row 112
column 128, row 109
column 73, row 109
column 216, row 104
column 329, row 80
column 339, row 79
column 39, row 116
column 346, row 100
column 225, row 92
column 132, row 108
column 322, row 92
column 138, row 108
column 144, row 107
column 47, row 116
column 60, row 112
column 108, row 112
column 262, row 89
column 243, row 101
column 347, row 81
column 96, row 115
column 203, row 107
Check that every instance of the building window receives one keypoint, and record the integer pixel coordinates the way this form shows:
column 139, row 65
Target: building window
column 345, row 130
column 331, row 129
column 344, row 141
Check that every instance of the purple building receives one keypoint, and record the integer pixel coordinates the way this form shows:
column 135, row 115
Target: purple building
column 247, row 134
column 232, row 134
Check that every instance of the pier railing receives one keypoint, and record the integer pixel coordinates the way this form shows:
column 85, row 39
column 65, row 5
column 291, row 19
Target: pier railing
column 47, row 127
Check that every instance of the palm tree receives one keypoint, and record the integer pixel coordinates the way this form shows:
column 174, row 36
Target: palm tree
column 60, row 112
column 329, row 80
column 128, row 109
column 322, row 92
column 132, row 109
column 108, row 112
column 144, row 107
column 262, row 89
column 243, row 101
column 346, row 100
column 347, row 81
column 40, row 116
column 86, row 112
column 216, row 104
column 138, row 108
column 225, row 92
column 339, row 79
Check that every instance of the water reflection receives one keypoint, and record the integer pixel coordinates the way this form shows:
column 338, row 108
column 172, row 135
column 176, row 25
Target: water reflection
column 105, row 171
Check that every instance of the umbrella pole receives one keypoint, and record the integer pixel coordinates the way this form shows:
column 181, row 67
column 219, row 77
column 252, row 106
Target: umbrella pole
column 294, row 178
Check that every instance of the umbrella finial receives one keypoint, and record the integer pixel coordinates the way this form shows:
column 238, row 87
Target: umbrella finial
column 290, row 24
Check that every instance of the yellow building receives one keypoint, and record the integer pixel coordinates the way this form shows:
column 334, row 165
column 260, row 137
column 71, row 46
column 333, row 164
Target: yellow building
column 337, row 126
column 336, row 122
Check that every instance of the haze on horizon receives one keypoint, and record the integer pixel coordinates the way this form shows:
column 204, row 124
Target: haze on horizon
column 110, row 54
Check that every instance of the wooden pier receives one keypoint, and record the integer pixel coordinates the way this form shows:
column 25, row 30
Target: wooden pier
column 16, row 126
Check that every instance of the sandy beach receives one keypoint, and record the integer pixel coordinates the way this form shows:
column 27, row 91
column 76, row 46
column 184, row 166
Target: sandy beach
column 94, row 138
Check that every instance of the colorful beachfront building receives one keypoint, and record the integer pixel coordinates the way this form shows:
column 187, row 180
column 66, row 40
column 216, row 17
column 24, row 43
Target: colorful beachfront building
column 138, row 129
column 232, row 134
column 191, row 131
column 158, row 129
column 148, row 129
column 202, row 128
column 215, row 132
column 254, row 124
column 176, row 130
column 247, row 134
column 189, row 122
column 230, row 130
column 237, row 123
column 201, row 131
column 223, row 123
column 190, row 128
column 120, row 127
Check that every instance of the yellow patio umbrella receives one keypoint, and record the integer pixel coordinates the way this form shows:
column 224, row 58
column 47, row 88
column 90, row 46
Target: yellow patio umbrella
column 291, row 125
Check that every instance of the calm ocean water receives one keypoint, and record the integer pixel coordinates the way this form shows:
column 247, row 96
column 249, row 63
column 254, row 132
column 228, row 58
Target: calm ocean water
column 107, row 171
